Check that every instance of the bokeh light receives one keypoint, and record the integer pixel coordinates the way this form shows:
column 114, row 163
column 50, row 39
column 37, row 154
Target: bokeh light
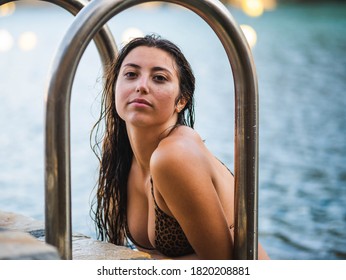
column 253, row 8
column 269, row 4
column 6, row 40
column 151, row 5
column 27, row 41
column 250, row 34
column 7, row 9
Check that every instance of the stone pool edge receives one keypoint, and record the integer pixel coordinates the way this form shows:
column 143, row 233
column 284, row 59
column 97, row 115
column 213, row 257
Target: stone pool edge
column 23, row 238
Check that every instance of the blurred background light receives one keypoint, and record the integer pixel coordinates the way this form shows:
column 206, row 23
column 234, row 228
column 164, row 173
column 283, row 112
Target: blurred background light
column 250, row 34
column 27, row 41
column 6, row 40
column 253, row 8
column 151, row 5
column 269, row 4
column 7, row 9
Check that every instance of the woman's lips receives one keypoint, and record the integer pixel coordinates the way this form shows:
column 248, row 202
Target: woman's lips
column 140, row 101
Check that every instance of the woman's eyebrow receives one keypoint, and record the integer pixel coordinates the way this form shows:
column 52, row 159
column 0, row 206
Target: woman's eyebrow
column 159, row 68
column 155, row 68
column 132, row 65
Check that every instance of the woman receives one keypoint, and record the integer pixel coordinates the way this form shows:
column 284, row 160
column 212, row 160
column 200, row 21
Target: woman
column 159, row 186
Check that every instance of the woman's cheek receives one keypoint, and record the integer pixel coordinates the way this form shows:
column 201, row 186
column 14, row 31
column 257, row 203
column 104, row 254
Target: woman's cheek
column 118, row 104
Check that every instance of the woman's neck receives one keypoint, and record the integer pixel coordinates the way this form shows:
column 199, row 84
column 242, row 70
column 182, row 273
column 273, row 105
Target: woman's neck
column 143, row 142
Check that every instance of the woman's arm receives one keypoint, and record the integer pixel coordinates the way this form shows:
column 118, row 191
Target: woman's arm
column 182, row 175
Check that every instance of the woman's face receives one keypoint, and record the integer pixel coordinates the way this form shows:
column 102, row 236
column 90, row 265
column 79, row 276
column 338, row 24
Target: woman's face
column 147, row 88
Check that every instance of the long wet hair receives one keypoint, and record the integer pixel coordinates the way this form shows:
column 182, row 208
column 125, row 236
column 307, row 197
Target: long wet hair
column 116, row 153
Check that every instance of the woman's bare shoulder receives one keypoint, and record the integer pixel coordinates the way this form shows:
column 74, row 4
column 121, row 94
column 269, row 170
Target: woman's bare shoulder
column 183, row 144
column 179, row 160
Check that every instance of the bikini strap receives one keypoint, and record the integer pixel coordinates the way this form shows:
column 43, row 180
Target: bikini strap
column 152, row 191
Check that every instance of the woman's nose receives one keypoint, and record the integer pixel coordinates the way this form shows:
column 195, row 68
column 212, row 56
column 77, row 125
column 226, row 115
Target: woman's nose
column 142, row 86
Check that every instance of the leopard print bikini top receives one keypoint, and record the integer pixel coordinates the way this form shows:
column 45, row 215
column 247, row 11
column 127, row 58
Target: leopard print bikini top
column 170, row 240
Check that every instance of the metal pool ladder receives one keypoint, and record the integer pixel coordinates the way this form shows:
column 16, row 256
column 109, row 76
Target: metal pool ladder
column 85, row 26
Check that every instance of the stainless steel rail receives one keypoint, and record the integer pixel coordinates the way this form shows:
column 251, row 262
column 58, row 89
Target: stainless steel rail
column 57, row 191
column 84, row 27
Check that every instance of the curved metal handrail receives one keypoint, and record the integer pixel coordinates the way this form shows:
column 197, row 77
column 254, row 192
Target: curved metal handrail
column 58, row 200
column 78, row 36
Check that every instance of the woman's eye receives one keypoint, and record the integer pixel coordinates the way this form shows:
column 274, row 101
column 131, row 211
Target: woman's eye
column 160, row 78
column 130, row 74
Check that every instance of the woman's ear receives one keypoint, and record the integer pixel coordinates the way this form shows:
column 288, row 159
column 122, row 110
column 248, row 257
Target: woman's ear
column 180, row 104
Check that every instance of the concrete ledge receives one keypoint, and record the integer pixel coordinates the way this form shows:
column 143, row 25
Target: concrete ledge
column 15, row 245
column 22, row 237
column 13, row 221
column 89, row 249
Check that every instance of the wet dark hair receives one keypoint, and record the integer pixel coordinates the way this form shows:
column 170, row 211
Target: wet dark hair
column 116, row 153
